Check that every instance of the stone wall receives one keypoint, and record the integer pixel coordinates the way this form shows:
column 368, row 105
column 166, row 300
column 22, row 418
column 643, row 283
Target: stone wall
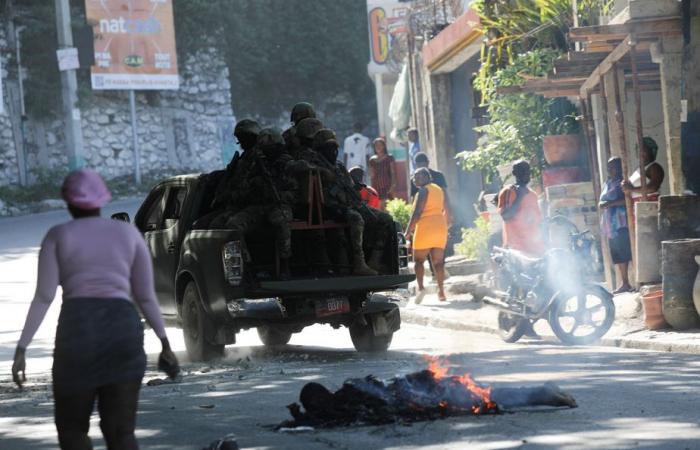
column 185, row 130
column 8, row 157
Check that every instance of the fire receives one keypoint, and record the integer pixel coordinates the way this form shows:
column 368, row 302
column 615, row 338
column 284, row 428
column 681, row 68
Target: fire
column 439, row 368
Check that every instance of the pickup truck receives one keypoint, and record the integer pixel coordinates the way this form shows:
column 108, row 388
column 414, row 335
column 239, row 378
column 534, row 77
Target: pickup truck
column 216, row 282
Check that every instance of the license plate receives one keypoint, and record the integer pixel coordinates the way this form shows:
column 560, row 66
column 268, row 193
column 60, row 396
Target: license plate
column 332, row 306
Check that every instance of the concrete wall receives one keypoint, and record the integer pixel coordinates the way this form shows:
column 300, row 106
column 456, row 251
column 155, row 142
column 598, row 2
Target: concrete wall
column 188, row 129
column 443, row 116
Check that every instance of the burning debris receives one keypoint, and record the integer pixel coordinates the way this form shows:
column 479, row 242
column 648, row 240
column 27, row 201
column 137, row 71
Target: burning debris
column 425, row 395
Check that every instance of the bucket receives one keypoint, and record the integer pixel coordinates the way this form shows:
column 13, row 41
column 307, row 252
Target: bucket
column 653, row 315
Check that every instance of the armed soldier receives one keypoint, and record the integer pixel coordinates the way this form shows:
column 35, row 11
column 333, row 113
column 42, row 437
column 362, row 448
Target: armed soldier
column 343, row 202
column 270, row 193
column 246, row 132
column 300, row 111
column 225, row 202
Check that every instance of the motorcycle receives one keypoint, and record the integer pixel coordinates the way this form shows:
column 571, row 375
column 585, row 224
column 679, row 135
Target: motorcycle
column 555, row 287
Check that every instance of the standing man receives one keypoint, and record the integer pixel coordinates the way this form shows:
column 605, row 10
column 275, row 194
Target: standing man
column 421, row 160
column 357, row 149
column 413, row 150
column 517, row 204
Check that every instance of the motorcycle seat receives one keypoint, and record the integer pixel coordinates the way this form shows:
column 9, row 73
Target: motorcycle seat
column 526, row 263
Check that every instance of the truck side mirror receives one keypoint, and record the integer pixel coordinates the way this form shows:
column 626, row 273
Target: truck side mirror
column 122, row 216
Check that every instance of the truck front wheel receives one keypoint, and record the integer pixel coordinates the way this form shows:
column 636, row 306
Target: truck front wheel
column 273, row 337
column 364, row 339
column 195, row 325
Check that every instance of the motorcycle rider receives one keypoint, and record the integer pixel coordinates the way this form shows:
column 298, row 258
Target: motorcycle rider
column 517, row 205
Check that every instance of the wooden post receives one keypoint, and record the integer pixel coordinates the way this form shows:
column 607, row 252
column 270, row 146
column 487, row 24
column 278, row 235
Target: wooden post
column 620, row 116
column 638, row 116
column 606, row 131
column 595, row 174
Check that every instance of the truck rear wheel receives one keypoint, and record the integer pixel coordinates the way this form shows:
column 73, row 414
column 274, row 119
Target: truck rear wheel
column 364, row 339
column 273, row 337
column 195, row 325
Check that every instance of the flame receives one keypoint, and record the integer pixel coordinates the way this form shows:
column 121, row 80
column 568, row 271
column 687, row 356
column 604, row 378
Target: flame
column 440, row 366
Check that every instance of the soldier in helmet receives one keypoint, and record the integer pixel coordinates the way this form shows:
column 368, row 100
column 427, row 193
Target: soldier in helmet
column 304, row 133
column 343, row 202
column 246, row 132
column 300, row 111
column 269, row 193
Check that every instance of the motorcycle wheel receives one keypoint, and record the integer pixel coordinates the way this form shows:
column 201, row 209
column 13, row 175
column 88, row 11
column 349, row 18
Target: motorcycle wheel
column 584, row 318
column 510, row 327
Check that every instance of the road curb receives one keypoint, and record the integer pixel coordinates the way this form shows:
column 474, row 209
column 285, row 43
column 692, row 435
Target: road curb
column 412, row 317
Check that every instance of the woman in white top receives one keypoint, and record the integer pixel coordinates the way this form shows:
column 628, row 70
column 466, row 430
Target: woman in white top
column 653, row 171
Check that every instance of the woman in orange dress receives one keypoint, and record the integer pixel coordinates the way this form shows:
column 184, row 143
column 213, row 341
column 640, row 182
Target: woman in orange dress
column 428, row 226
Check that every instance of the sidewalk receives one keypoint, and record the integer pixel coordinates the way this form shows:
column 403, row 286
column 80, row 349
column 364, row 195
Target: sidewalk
column 462, row 312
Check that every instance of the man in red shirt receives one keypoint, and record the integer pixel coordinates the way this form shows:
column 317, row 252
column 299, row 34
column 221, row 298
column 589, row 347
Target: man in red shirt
column 517, row 204
column 368, row 194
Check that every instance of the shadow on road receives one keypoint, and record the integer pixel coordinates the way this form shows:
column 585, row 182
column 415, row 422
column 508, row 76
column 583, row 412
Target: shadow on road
column 626, row 400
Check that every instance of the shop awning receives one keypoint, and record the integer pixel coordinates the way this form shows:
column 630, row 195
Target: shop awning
column 454, row 45
column 604, row 46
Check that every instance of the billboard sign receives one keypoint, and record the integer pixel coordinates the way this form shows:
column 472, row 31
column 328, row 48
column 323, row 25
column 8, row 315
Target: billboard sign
column 387, row 21
column 134, row 44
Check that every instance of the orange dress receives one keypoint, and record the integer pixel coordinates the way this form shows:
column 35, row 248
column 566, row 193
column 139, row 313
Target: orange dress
column 431, row 228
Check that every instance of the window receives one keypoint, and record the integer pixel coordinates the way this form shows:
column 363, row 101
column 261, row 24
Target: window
column 173, row 207
column 154, row 214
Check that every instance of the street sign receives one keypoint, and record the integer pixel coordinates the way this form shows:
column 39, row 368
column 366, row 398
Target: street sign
column 134, row 44
column 67, row 58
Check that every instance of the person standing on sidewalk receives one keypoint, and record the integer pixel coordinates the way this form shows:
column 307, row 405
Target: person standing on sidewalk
column 100, row 264
column 428, row 228
column 357, row 149
column 382, row 171
column 517, row 205
column 613, row 222
column 413, row 149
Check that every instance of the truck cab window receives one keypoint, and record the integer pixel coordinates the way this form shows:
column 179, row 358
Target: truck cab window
column 154, row 216
column 173, row 206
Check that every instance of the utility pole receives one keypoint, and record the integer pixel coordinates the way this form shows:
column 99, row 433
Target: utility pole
column 69, row 85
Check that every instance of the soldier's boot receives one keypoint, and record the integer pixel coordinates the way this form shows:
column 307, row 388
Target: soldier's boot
column 375, row 260
column 360, row 267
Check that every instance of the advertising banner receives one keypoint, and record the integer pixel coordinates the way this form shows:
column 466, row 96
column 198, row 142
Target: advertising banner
column 387, row 23
column 134, row 44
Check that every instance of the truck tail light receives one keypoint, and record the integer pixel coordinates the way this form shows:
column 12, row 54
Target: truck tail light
column 232, row 256
column 402, row 250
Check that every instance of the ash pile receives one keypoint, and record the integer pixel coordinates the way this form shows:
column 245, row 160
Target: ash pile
column 419, row 396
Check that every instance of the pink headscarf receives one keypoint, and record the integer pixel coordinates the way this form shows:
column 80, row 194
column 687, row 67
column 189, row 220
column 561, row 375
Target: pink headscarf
column 85, row 189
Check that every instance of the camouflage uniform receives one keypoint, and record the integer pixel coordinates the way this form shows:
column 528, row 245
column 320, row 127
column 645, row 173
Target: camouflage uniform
column 236, row 170
column 270, row 191
column 340, row 198
column 300, row 111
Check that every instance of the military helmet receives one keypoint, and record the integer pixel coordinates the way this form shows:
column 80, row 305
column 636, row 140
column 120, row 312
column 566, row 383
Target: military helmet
column 270, row 136
column 324, row 136
column 302, row 110
column 247, row 126
column 307, row 128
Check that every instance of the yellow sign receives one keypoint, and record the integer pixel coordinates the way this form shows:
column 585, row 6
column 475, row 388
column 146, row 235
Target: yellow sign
column 134, row 44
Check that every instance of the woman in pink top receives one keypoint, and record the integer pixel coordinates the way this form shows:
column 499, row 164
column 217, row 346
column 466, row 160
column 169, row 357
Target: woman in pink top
column 103, row 267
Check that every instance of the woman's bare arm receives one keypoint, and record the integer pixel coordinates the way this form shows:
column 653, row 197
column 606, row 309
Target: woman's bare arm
column 419, row 205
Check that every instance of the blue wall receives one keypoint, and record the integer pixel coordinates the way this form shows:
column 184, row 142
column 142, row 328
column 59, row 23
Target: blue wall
column 464, row 137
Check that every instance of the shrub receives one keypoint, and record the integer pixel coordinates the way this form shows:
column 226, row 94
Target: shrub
column 474, row 243
column 400, row 211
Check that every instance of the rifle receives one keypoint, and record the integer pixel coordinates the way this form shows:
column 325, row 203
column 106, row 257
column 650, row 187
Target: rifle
column 267, row 176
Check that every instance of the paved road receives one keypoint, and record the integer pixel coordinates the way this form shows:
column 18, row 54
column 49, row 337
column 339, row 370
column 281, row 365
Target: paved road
column 628, row 399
